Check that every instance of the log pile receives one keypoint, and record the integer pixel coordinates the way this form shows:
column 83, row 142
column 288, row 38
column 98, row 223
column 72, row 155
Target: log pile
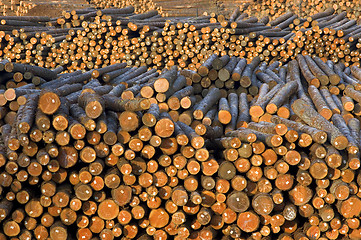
column 125, row 152
column 141, row 6
column 89, row 38
column 304, row 8
column 17, row 8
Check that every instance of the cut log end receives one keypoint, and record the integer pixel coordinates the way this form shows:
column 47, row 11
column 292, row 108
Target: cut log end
column 340, row 142
column 256, row 111
column 49, row 103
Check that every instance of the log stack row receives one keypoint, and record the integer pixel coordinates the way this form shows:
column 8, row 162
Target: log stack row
column 89, row 38
column 17, row 8
column 304, row 8
column 141, row 6
column 129, row 152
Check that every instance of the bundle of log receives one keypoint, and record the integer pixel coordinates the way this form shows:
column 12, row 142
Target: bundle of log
column 131, row 153
column 141, row 6
column 87, row 39
column 304, row 8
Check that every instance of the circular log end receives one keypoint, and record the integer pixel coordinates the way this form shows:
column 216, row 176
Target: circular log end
column 224, row 116
column 315, row 82
column 203, row 71
column 158, row 218
column 293, row 157
column 238, row 201
column 340, row 142
column 11, row 228
column 248, row 221
column 320, row 137
column 128, row 121
column 236, row 76
column 144, row 104
column 276, row 140
column 348, row 106
column 108, row 209
column 300, row 195
column 122, row 195
column 93, row 109
column 319, row 170
column 281, row 129
column 198, row 114
column 60, row 123
column 256, row 111
column 262, row 204
column 326, row 113
column 271, row 108
column 283, row 112
column 77, row 131
column 324, row 79
column 284, row 182
column 334, row 79
column 49, row 103
column 161, row 85
column 164, row 128
column 10, row 94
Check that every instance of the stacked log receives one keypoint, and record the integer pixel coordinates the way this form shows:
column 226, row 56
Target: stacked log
column 275, row 8
column 240, row 36
column 141, row 6
column 133, row 153
column 87, row 39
